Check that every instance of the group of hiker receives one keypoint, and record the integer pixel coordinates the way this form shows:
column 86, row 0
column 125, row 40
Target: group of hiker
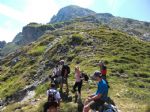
column 59, row 77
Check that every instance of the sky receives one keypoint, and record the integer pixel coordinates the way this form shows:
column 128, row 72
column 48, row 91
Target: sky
column 14, row 14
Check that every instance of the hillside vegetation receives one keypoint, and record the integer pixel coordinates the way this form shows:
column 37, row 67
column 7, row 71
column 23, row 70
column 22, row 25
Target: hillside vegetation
column 83, row 44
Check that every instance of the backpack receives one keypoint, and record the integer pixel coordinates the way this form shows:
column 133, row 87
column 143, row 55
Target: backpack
column 65, row 67
column 51, row 95
column 85, row 76
column 68, row 69
column 110, row 108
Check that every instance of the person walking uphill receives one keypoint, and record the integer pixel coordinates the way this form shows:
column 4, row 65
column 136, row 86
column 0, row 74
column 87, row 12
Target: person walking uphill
column 100, row 97
column 65, row 71
column 78, row 80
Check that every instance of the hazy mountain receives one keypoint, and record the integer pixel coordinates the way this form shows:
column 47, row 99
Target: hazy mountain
column 2, row 44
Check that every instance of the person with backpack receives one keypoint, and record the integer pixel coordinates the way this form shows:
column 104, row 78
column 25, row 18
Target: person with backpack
column 96, row 100
column 53, row 99
column 65, row 71
column 78, row 80
column 56, row 75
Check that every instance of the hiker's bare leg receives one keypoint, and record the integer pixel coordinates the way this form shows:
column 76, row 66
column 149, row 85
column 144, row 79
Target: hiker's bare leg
column 86, row 108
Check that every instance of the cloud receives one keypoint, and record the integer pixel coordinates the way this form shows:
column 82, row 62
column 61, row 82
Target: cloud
column 40, row 10
column 8, row 34
column 34, row 11
column 8, row 30
column 83, row 3
column 10, row 12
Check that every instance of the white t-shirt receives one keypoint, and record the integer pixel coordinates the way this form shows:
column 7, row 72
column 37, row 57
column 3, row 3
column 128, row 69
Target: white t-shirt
column 57, row 95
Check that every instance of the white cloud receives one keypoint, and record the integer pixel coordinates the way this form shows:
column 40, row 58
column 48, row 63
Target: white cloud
column 8, row 31
column 83, row 3
column 10, row 12
column 35, row 11
column 8, row 34
column 40, row 10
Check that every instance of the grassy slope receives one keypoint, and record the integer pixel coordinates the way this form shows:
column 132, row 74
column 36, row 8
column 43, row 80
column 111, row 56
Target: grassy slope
column 124, row 54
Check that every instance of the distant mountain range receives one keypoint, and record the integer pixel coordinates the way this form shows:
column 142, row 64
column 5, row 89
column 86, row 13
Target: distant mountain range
column 72, row 13
column 133, row 27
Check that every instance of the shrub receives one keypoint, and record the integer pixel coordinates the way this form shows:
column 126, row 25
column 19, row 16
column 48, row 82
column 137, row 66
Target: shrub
column 37, row 50
column 76, row 39
column 42, row 89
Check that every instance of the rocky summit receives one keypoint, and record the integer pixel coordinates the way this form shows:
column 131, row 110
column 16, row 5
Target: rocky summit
column 70, row 12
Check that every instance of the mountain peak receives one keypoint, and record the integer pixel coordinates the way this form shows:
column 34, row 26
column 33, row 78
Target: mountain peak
column 71, row 12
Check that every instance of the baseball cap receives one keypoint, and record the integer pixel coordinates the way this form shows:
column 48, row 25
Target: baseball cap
column 61, row 61
column 96, row 74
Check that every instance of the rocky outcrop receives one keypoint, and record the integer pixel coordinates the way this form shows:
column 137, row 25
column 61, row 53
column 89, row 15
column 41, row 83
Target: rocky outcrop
column 31, row 33
column 2, row 44
column 22, row 94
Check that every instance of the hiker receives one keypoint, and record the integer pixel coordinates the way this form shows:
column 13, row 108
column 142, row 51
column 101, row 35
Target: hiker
column 53, row 99
column 103, row 70
column 56, row 77
column 78, row 80
column 100, row 97
column 64, row 73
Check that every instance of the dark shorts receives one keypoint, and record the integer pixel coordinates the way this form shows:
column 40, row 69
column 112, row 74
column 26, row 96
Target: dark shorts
column 79, row 85
column 96, row 104
column 64, row 80
column 47, row 105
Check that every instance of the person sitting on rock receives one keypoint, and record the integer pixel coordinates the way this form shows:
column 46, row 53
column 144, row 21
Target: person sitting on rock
column 96, row 100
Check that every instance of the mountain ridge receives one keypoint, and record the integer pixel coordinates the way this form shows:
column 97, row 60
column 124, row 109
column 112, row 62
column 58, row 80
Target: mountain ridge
column 33, row 31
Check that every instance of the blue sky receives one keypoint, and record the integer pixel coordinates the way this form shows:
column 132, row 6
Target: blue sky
column 14, row 14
